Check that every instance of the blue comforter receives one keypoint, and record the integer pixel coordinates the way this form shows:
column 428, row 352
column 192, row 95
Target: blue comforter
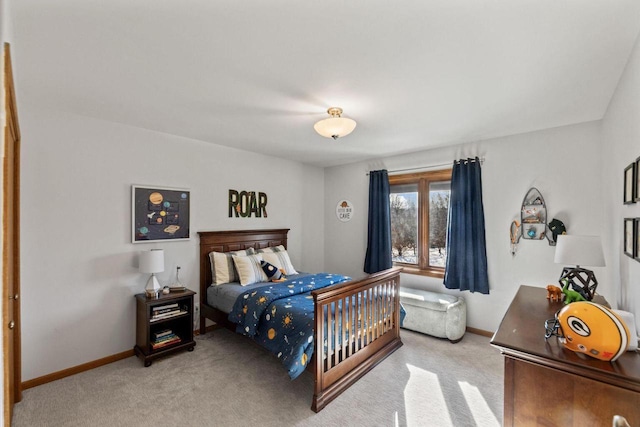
column 279, row 316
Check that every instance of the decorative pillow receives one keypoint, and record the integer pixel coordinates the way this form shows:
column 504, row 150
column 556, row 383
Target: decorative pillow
column 271, row 249
column 223, row 269
column 281, row 260
column 272, row 272
column 249, row 269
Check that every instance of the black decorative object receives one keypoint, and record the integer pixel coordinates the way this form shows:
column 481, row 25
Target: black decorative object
column 637, row 181
column 557, row 227
column 629, row 234
column 577, row 251
column 630, row 184
column 580, row 280
column 636, row 239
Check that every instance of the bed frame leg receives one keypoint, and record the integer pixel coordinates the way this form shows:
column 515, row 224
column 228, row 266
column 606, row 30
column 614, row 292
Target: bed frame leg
column 203, row 325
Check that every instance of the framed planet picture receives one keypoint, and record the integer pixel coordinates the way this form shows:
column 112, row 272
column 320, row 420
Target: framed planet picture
column 159, row 214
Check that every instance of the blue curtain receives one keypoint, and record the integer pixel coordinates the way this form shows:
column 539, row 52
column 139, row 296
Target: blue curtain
column 379, row 235
column 466, row 247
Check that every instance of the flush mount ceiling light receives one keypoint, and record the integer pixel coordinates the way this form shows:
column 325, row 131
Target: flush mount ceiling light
column 335, row 126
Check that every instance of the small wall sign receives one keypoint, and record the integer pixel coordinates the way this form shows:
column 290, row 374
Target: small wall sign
column 344, row 210
column 247, row 203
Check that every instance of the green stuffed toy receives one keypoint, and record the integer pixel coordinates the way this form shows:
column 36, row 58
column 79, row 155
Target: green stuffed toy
column 569, row 294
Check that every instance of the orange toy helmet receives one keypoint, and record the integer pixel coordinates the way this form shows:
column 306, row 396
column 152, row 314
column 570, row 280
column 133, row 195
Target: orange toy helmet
column 592, row 329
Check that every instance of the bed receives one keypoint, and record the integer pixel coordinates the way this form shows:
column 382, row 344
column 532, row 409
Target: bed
column 355, row 322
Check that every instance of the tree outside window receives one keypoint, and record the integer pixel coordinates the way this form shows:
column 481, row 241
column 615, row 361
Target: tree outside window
column 419, row 213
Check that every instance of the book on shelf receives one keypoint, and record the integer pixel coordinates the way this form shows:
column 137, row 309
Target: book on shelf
column 162, row 333
column 164, row 310
column 156, row 346
column 165, row 306
column 165, row 338
column 167, row 315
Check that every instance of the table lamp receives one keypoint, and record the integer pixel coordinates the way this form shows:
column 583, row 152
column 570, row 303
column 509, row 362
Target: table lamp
column 579, row 250
column 152, row 262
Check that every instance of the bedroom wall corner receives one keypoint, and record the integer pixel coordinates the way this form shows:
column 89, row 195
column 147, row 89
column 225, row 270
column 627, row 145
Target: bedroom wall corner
column 80, row 274
column 559, row 162
column 346, row 242
column 312, row 256
column 621, row 146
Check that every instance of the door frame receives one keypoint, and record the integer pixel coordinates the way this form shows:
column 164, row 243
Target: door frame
column 11, row 136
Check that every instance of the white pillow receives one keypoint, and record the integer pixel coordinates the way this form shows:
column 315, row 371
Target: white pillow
column 271, row 249
column 249, row 269
column 629, row 320
column 280, row 260
column 223, row 269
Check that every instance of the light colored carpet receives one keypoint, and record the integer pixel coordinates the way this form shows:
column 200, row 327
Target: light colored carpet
column 229, row 381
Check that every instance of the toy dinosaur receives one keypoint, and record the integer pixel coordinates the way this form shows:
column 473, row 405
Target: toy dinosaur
column 569, row 294
column 554, row 293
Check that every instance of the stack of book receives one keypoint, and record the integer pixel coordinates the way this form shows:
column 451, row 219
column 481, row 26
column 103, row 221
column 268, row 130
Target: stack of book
column 165, row 311
column 164, row 338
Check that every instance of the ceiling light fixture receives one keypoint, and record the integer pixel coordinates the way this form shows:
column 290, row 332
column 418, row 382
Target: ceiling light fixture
column 335, row 126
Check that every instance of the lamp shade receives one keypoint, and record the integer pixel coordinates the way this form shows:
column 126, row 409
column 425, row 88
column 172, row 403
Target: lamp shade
column 335, row 126
column 579, row 250
column 151, row 261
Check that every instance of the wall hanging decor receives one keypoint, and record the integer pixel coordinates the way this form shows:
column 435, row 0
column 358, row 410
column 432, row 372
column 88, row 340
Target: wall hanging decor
column 636, row 240
column 514, row 235
column 637, row 181
column 629, row 183
column 159, row 214
column 533, row 219
column 629, row 235
column 344, row 210
column 247, row 203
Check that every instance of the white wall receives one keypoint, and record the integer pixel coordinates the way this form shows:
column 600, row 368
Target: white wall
column 79, row 268
column 620, row 147
column 563, row 163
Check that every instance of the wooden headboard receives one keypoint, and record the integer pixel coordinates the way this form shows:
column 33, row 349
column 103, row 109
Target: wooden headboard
column 226, row 241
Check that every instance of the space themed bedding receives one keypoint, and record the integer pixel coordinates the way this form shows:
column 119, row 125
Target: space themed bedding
column 349, row 350
column 279, row 316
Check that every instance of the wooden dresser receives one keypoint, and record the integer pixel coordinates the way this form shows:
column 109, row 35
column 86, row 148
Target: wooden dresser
column 548, row 385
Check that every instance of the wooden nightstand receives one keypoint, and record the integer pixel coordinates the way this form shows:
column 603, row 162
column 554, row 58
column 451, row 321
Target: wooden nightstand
column 163, row 325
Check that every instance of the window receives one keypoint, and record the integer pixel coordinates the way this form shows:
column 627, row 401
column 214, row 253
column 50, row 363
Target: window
column 419, row 213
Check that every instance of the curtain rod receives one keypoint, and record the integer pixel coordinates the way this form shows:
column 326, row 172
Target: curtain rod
column 432, row 166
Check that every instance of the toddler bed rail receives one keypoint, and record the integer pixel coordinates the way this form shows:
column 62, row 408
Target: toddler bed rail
column 348, row 342
column 356, row 327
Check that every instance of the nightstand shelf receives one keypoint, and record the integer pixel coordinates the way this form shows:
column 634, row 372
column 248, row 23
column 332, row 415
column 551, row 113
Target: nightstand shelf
column 176, row 330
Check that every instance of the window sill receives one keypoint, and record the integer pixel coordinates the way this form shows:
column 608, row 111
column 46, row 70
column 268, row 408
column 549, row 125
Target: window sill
column 430, row 272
